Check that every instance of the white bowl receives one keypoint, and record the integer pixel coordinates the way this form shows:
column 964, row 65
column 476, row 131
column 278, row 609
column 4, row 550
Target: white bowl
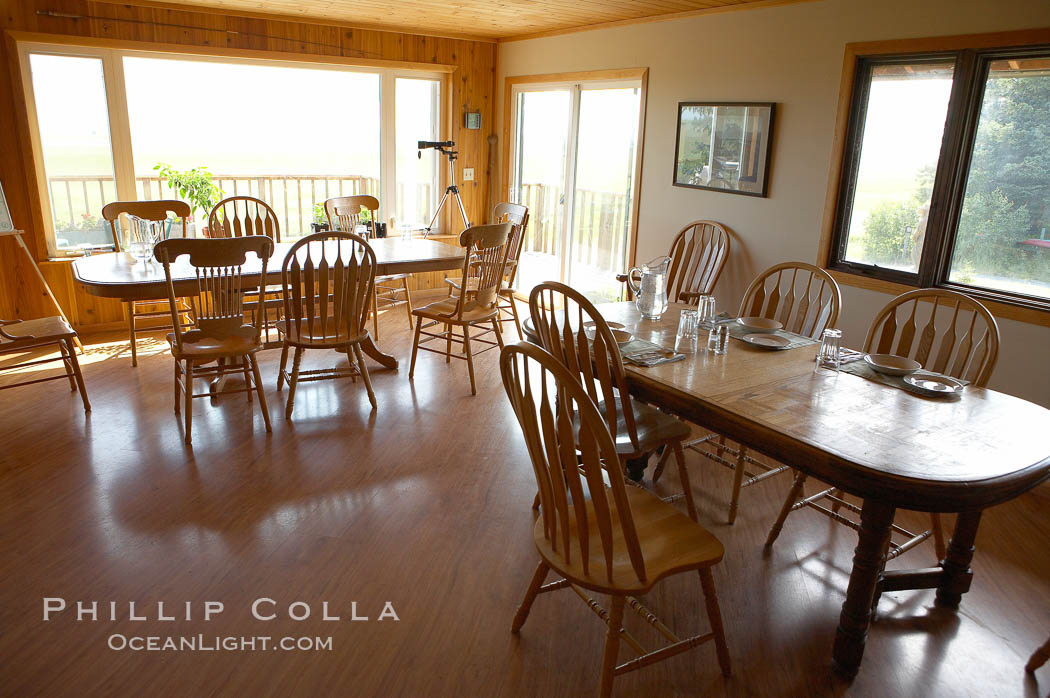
column 891, row 364
column 759, row 324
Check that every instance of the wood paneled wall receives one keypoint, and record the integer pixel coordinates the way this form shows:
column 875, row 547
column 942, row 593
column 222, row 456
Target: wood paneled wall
column 472, row 89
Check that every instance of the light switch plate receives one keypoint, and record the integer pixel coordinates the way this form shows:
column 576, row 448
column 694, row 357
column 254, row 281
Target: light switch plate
column 468, row 174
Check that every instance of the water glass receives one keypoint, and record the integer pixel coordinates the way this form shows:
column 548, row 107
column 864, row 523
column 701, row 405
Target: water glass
column 706, row 311
column 828, row 356
column 685, row 343
column 718, row 339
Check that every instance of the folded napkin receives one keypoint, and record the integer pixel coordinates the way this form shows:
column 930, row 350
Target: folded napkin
column 646, row 354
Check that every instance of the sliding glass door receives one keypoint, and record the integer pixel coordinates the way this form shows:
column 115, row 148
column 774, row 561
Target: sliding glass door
column 573, row 165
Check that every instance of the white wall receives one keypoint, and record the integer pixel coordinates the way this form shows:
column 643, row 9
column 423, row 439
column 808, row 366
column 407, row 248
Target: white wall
column 791, row 55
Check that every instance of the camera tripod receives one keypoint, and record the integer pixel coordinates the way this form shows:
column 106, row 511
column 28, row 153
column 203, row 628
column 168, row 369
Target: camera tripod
column 445, row 147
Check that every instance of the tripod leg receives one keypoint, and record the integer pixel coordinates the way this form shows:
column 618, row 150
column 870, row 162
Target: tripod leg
column 437, row 212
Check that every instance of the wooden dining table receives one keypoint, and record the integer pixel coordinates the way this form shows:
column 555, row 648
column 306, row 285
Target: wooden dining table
column 119, row 275
column 891, row 448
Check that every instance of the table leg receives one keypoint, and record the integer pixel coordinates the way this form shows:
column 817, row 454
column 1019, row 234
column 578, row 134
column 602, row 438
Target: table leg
column 868, row 561
column 636, row 467
column 369, row 347
column 956, row 564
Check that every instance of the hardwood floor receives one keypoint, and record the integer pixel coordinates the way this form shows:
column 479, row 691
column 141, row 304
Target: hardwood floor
column 407, row 505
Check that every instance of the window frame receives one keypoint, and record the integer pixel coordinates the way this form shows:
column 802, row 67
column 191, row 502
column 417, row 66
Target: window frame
column 111, row 54
column 972, row 56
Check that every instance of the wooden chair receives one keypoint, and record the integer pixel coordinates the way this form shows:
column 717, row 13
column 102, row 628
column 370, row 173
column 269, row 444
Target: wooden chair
column 18, row 336
column 344, row 213
column 518, row 216
column 964, row 345
column 137, row 309
column 220, row 333
column 600, row 538
column 698, row 254
column 329, row 279
column 807, row 300
column 576, row 334
column 486, row 248
column 1039, row 657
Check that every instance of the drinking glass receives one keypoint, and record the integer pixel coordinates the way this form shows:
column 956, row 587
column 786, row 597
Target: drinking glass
column 685, row 342
column 718, row 339
column 828, row 356
column 706, row 311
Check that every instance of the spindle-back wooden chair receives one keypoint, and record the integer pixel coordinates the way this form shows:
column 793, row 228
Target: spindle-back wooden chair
column 484, row 259
column 344, row 213
column 137, row 309
column 220, row 333
column 698, row 254
column 329, row 279
column 575, row 333
column 806, row 300
column 946, row 332
column 599, row 534
column 21, row 336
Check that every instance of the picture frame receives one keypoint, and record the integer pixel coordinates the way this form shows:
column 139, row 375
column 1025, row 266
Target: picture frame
column 6, row 224
column 724, row 146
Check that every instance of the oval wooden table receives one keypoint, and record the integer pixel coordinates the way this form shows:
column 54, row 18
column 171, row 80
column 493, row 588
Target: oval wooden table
column 887, row 446
column 119, row 275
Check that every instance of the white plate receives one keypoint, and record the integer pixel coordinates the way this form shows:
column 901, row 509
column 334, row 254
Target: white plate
column 759, row 324
column 767, row 341
column 891, row 364
column 622, row 337
column 933, row 386
column 612, row 325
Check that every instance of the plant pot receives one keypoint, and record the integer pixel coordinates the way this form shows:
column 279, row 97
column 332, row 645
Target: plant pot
column 319, row 227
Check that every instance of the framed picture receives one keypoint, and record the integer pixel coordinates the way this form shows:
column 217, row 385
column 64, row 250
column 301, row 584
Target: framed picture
column 6, row 224
column 724, row 146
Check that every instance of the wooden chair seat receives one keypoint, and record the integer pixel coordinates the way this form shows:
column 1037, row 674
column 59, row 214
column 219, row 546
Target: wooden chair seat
column 330, row 336
column 654, row 429
column 445, row 310
column 200, row 347
column 31, row 333
column 670, row 543
column 18, row 336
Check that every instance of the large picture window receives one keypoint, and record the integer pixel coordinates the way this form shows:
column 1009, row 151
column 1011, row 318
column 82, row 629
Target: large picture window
column 946, row 173
column 290, row 133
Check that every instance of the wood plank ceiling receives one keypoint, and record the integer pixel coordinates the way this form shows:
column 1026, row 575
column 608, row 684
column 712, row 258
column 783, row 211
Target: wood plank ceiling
column 476, row 19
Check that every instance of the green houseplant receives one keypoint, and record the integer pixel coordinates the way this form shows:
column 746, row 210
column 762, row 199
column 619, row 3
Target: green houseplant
column 195, row 187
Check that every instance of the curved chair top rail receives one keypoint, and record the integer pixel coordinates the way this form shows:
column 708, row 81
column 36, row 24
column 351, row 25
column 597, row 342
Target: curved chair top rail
column 546, row 398
column 805, row 298
column 241, row 216
column 155, row 210
column 506, row 212
column 344, row 212
column 518, row 216
column 698, row 254
column 483, row 266
column 952, row 333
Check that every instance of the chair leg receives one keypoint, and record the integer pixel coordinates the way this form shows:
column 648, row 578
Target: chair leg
column 408, row 302
column 130, row 305
column 246, row 370
column 415, row 347
column 1038, row 657
column 259, row 389
column 499, row 333
column 530, row 595
column 364, row 374
column 375, row 314
column 77, row 375
column 187, row 388
column 938, row 536
column 661, row 464
column 714, row 615
column 837, row 494
column 296, row 360
column 683, row 475
column 66, row 364
column 738, row 480
column 178, row 388
column 470, row 359
column 612, row 645
column 789, row 501
column 448, row 343
column 284, row 365
column 514, row 314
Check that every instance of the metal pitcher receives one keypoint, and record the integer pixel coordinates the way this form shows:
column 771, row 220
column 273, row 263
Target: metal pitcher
column 650, row 294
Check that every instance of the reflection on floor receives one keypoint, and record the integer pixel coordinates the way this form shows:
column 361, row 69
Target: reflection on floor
column 424, row 503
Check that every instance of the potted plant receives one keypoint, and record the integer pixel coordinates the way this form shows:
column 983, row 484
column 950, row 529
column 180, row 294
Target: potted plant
column 195, row 187
column 320, row 221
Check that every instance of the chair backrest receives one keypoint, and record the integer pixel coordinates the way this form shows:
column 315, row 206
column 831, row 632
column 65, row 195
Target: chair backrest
column 801, row 296
column 328, row 278
column 219, row 298
column 559, row 316
column 240, row 216
column 965, row 345
column 518, row 216
column 483, row 263
column 158, row 210
column 698, row 254
column 570, row 469
column 344, row 212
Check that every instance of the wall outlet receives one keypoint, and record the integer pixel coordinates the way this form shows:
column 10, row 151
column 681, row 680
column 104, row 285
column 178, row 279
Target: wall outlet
column 468, row 174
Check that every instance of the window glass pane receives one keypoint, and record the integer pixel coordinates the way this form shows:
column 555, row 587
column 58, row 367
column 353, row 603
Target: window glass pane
column 1002, row 240
column 417, row 103
column 71, row 110
column 901, row 142
column 292, row 137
